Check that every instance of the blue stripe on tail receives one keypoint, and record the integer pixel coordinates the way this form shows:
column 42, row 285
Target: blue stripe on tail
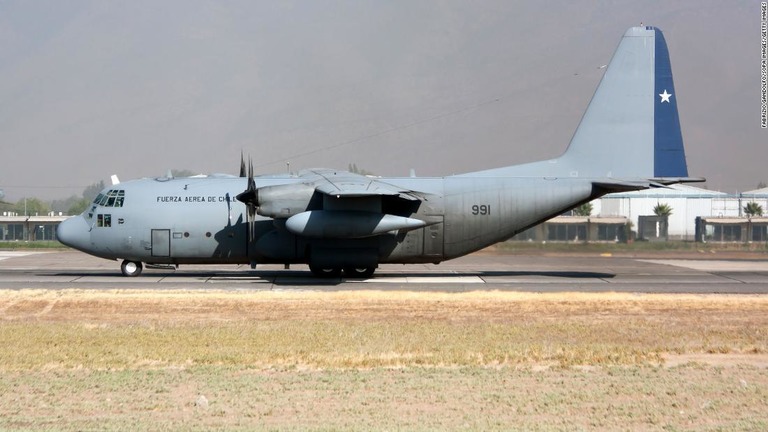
column 669, row 154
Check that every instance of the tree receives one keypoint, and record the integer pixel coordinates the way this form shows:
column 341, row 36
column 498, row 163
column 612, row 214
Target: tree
column 662, row 210
column 32, row 206
column 762, row 185
column 753, row 209
column 583, row 210
column 91, row 191
column 78, row 206
column 63, row 205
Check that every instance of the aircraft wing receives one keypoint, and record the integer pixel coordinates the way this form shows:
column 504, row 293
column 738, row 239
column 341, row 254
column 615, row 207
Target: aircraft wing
column 342, row 184
column 346, row 215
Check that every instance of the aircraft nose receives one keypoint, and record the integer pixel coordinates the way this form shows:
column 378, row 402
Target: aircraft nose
column 74, row 233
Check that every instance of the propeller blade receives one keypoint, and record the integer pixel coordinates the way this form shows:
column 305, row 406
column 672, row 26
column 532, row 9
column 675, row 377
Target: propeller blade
column 250, row 196
column 251, row 181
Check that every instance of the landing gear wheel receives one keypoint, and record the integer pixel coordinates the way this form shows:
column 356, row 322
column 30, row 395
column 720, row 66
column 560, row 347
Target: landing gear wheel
column 131, row 268
column 359, row 272
column 325, row 272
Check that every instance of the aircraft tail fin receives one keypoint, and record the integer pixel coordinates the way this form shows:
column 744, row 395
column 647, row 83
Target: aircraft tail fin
column 631, row 128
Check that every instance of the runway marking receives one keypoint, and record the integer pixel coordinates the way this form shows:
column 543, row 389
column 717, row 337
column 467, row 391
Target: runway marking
column 711, row 266
column 426, row 279
column 15, row 254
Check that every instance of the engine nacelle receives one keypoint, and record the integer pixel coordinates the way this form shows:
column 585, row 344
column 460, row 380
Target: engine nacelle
column 348, row 224
column 283, row 201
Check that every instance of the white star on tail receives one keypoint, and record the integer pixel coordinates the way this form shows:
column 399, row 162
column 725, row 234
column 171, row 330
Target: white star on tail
column 665, row 96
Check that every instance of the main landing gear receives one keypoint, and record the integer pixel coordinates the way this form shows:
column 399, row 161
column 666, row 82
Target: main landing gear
column 131, row 268
column 134, row 268
column 350, row 272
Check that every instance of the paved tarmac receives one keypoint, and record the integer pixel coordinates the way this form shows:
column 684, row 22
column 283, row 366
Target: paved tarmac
column 526, row 273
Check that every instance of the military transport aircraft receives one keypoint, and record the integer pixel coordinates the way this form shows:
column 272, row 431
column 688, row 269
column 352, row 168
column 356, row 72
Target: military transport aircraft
column 337, row 221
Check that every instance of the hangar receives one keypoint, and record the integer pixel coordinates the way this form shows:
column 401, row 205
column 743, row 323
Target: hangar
column 29, row 228
column 697, row 215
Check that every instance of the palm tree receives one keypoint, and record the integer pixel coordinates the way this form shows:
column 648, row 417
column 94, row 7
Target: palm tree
column 753, row 209
column 662, row 210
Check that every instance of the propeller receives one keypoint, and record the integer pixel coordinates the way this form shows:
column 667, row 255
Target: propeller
column 250, row 196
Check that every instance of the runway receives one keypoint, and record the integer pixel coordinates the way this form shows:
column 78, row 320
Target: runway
column 59, row 270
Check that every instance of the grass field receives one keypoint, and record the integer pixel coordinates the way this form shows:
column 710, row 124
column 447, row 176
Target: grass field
column 111, row 360
column 23, row 245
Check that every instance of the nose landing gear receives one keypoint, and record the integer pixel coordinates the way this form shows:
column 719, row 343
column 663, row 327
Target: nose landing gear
column 131, row 268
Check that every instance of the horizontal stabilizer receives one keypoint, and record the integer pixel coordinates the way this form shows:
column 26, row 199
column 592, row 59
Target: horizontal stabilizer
column 675, row 180
column 608, row 186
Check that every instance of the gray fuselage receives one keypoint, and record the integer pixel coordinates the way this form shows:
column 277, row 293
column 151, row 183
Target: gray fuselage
column 198, row 220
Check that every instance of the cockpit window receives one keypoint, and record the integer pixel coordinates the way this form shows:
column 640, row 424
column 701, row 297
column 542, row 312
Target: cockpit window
column 120, row 198
column 113, row 198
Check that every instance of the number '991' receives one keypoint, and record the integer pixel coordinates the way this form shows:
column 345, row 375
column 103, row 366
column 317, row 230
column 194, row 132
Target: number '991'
column 482, row 210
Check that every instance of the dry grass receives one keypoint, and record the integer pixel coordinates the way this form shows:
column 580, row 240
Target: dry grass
column 417, row 399
column 381, row 360
column 97, row 329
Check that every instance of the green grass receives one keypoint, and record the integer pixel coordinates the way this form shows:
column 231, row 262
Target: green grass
column 21, row 245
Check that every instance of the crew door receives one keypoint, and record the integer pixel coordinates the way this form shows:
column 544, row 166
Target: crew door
column 161, row 242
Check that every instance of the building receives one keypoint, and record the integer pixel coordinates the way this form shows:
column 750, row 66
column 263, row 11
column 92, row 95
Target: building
column 687, row 203
column 697, row 214
column 576, row 229
column 29, row 228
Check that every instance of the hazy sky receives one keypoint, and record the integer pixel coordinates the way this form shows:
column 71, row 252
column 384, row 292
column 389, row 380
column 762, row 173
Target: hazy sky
column 134, row 88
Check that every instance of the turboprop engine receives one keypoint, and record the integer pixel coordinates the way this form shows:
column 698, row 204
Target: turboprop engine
column 348, row 224
column 283, row 201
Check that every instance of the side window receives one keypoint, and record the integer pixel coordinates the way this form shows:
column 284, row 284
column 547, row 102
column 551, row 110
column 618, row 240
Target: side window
column 104, row 220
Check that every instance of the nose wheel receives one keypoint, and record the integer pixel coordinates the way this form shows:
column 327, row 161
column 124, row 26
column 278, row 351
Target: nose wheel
column 131, row 268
